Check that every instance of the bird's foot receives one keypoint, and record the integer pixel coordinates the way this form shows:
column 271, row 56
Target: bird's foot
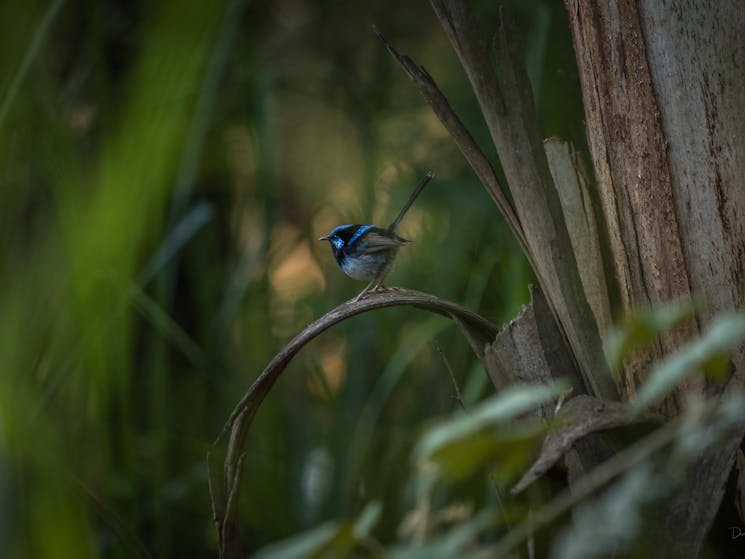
column 370, row 289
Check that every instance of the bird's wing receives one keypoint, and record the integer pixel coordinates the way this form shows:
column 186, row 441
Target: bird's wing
column 376, row 241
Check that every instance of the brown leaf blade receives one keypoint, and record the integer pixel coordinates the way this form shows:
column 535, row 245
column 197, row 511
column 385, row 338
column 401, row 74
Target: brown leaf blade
column 577, row 418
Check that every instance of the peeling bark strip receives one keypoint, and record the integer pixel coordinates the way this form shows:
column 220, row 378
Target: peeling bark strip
column 530, row 349
column 698, row 66
column 573, row 187
column 462, row 137
column 697, row 60
column 664, row 89
column 577, row 418
column 629, row 151
column 506, row 101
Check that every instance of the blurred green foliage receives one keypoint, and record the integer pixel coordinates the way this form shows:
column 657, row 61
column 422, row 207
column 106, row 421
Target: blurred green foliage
column 488, row 433
column 165, row 169
column 617, row 507
column 710, row 354
column 642, row 327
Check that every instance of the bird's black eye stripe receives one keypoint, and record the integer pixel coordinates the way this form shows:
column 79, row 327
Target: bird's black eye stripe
column 346, row 232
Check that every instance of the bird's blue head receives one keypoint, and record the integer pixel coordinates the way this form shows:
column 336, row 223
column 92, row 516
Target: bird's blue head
column 345, row 236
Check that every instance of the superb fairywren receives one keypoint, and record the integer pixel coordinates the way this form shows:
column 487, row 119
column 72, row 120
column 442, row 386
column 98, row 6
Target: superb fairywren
column 367, row 252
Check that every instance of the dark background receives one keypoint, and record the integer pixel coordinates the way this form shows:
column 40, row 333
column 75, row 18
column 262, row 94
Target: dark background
column 165, row 171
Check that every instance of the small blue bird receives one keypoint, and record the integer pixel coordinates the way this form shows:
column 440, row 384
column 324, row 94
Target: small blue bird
column 367, row 252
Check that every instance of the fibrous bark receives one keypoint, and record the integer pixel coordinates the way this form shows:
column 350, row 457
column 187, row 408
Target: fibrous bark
column 663, row 87
column 503, row 91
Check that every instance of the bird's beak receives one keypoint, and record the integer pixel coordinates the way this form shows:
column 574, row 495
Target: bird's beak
column 323, row 238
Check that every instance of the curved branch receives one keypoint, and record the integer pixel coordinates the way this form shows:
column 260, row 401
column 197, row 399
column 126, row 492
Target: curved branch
column 478, row 331
column 475, row 323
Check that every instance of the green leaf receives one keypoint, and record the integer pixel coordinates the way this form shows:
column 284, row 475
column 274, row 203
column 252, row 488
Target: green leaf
column 725, row 332
column 608, row 526
column 641, row 328
column 458, row 446
column 452, row 544
column 367, row 519
column 307, row 544
column 716, row 366
column 331, row 539
column 507, row 451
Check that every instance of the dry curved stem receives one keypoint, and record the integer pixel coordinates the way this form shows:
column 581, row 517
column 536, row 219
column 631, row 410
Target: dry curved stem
column 462, row 137
column 597, row 478
column 577, row 418
column 477, row 330
column 534, row 213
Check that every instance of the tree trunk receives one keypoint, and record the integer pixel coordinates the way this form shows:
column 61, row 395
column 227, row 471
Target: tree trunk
column 664, row 91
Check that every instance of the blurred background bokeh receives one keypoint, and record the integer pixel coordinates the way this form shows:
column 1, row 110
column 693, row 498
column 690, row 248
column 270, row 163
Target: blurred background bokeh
column 166, row 169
